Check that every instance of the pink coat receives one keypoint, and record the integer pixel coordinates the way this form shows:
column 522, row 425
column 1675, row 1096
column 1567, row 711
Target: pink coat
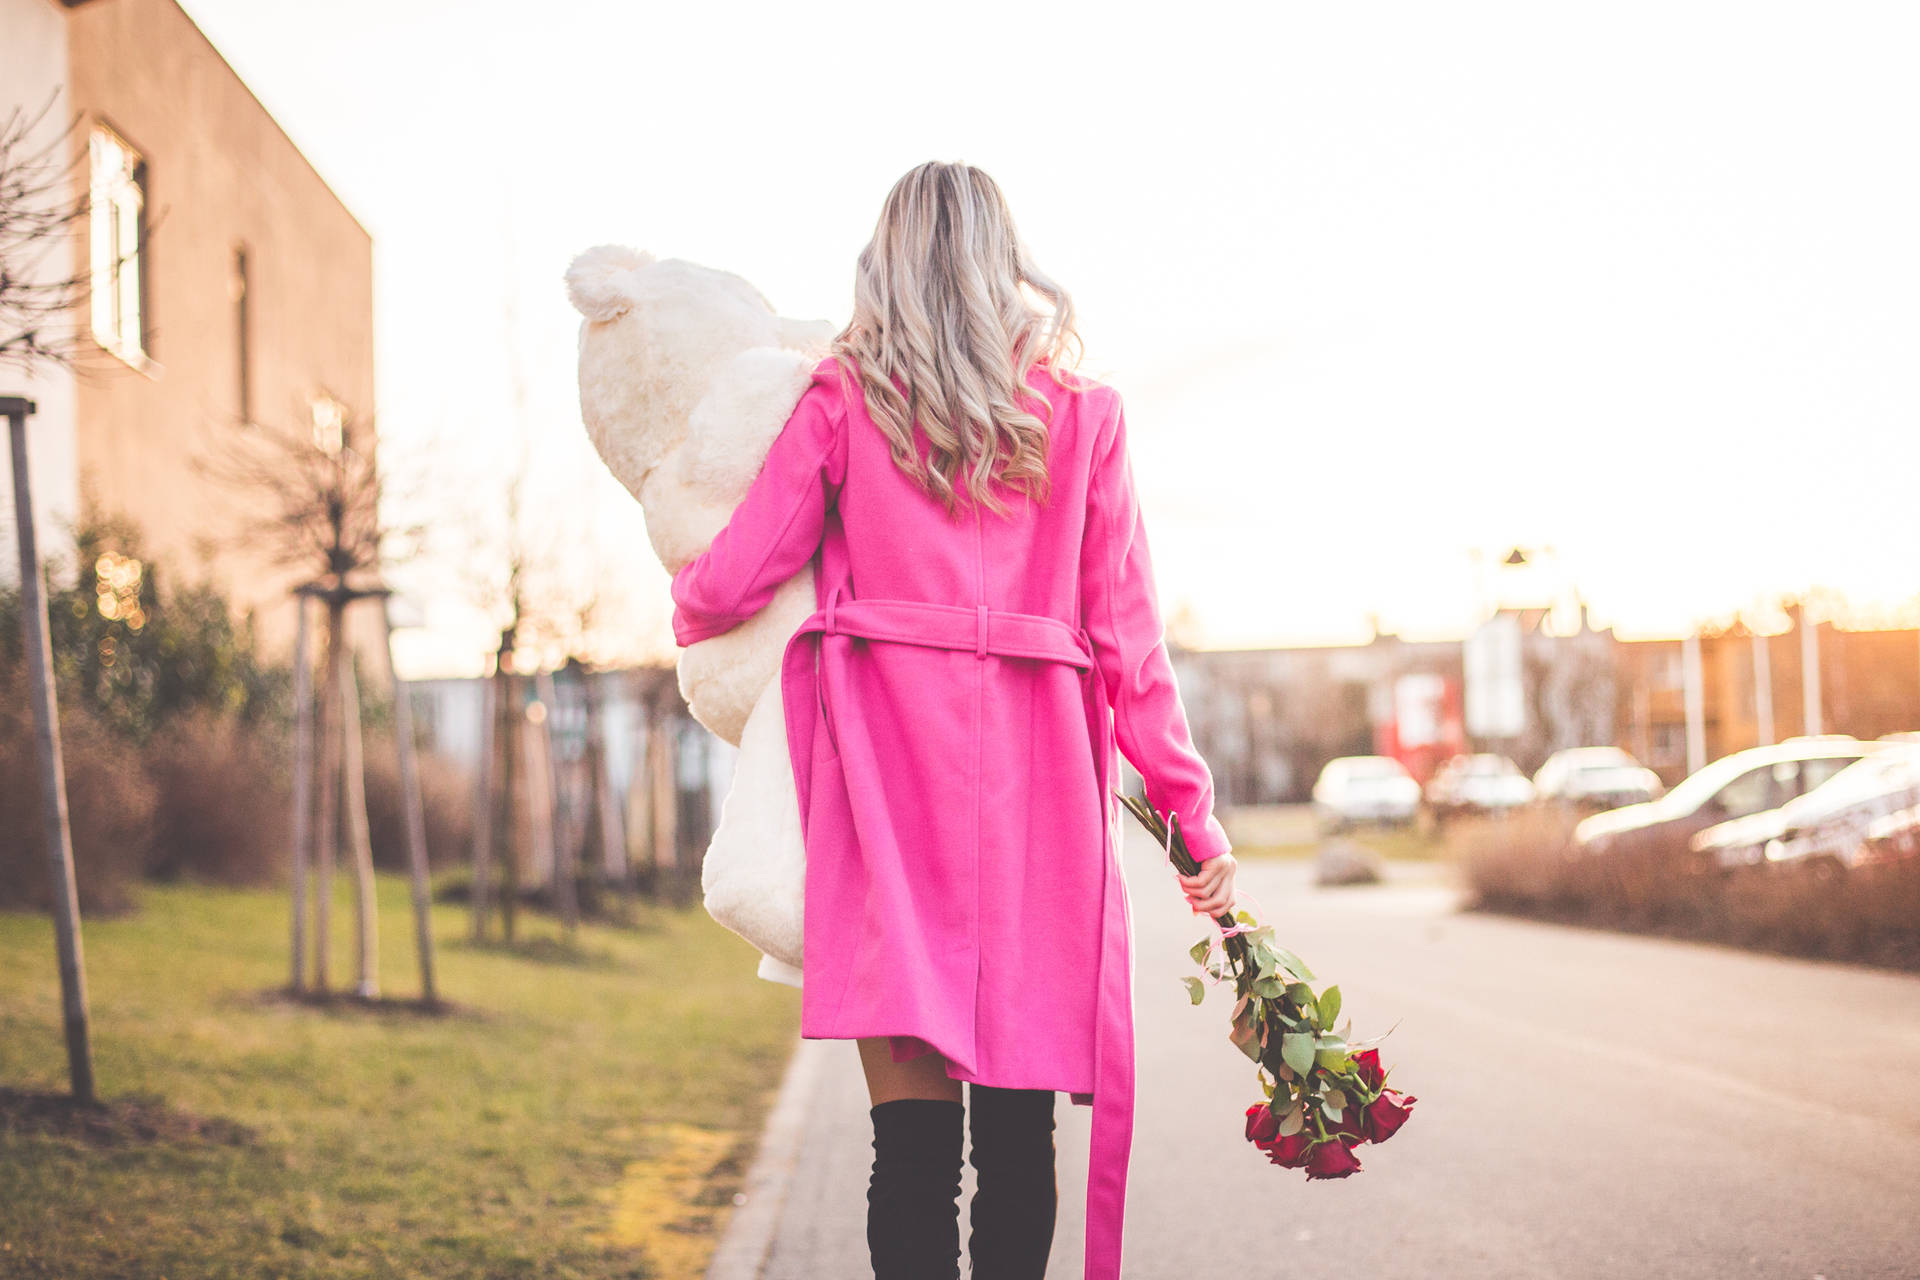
column 952, row 713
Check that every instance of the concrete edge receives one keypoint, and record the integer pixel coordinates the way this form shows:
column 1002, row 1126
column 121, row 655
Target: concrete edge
column 748, row 1237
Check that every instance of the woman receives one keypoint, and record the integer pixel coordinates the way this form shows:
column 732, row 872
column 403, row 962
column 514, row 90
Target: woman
column 987, row 629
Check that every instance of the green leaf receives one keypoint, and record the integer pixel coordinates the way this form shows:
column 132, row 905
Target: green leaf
column 1196, row 989
column 1243, row 917
column 1292, row 1122
column 1296, row 1050
column 1270, row 989
column 1331, row 1059
column 1330, row 1005
column 1294, row 963
column 1199, row 950
column 1332, row 1109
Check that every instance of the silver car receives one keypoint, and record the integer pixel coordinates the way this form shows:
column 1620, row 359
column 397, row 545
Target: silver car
column 1365, row 789
column 1832, row 821
column 1595, row 778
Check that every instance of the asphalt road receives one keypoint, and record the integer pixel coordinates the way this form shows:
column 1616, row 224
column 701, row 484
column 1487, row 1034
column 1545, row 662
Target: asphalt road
column 1591, row 1105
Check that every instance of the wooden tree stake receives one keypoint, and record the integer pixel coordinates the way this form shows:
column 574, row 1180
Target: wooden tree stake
column 53, row 775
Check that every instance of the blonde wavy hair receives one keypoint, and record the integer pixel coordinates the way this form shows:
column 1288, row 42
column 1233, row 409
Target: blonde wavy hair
column 945, row 332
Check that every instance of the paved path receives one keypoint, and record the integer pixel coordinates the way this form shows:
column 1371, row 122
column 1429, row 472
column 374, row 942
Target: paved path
column 1592, row 1105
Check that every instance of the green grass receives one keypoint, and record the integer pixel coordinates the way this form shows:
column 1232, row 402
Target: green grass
column 583, row 1112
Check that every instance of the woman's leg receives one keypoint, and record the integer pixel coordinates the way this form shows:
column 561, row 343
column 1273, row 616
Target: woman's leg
column 1015, row 1197
column 921, row 1077
column 913, row 1210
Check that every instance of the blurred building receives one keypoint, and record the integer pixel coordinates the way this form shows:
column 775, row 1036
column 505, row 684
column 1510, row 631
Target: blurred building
column 229, row 286
column 1267, row 719
column 1753, row 690
column 662, row 770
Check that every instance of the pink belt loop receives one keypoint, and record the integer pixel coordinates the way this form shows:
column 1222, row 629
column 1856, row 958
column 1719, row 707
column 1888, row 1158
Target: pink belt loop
column 833, row 599
column 980, row 636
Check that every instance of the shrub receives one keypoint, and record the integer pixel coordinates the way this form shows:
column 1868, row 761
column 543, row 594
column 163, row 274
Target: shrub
column 110, row 803
column 224, row 803
column 446, row 794
column 136, row 656
column 1525, row 865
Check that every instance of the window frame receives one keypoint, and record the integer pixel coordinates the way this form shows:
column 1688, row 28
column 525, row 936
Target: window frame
column 119, row 308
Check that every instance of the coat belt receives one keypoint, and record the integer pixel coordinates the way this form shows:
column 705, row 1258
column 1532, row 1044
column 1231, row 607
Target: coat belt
column 1008, row 634
column 1000, row 632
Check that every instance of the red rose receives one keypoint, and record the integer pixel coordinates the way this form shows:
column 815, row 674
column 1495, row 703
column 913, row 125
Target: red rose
column 1291, row 1151
column 1386, row 1113
column 1262, row 1124
column 1352, row 1128
column 1366, row 1065
column 1331, row 1159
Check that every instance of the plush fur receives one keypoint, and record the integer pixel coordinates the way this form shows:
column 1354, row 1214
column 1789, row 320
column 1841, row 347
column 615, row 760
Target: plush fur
column 686, row 378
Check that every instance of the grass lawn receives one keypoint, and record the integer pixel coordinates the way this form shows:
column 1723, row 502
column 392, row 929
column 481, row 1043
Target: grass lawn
column 584, row 1111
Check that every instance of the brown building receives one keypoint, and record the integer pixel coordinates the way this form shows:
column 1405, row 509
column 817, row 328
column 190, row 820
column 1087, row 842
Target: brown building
column 1752, row 690
column 230, row 286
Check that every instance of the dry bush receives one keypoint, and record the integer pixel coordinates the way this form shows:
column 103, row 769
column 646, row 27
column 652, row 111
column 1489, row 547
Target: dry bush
column 1524, row 864
column 223, row 802
column 110, row 803
column 1517, row 862
column 446, row 796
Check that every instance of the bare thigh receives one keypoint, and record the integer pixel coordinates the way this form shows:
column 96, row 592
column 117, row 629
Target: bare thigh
column 922, row 1077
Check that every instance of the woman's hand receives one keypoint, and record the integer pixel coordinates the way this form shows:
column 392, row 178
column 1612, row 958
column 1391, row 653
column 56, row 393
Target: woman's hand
column 1210, row 892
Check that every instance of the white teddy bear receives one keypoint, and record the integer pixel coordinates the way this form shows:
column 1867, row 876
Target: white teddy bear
column 686, row 378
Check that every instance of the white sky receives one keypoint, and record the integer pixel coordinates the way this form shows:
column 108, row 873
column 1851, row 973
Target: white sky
column 1383, row 285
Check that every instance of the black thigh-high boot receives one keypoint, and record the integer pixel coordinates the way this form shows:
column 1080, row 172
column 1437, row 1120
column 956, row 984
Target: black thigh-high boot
column 1015, row 1196
column 913, row 1198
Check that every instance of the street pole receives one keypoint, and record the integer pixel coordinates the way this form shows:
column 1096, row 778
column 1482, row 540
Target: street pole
column 53, row 777
column 1763, row 689
column 302, row 784
column 1692, row 677
column 1809, row 672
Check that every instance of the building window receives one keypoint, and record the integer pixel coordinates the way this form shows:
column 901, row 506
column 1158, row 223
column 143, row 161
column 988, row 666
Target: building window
column 119, row 181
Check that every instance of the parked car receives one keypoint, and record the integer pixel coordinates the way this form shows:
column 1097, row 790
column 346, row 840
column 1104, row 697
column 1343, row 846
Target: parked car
column 1893, row 837
column 1481, row 783
column 1829, row 822
column 1746, row 782
column 1354, row 789
column 1595, row 778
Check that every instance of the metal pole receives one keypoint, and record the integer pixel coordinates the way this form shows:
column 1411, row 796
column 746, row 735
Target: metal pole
column 302, row 784
column 482, row 852
column 415, row 814
column 1763, row 688
column 1692, row 678
column 53, row 777
column 1809, row 672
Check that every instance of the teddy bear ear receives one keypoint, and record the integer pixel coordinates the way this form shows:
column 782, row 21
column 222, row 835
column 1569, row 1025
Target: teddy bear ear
column 599, row 279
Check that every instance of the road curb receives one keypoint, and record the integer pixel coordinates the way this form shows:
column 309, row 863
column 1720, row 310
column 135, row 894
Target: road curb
column 749, row 1233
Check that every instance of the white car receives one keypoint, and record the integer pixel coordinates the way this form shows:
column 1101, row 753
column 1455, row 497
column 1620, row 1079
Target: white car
column 1483, row 783
column 1595, row 777
column 1834, row 820
column 1365, row 789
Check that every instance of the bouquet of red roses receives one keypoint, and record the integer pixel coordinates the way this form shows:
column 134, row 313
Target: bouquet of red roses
column 1325, row 1095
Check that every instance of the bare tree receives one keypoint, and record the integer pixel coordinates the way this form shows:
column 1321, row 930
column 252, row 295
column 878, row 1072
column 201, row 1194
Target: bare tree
column 314, row 505
column 36, row 210
column 40, row 202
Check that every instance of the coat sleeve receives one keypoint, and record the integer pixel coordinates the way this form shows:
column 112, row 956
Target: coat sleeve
column 1121, row 612
column 776, row 528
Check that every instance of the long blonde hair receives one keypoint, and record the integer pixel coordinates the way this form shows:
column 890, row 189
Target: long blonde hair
column 943, row 335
